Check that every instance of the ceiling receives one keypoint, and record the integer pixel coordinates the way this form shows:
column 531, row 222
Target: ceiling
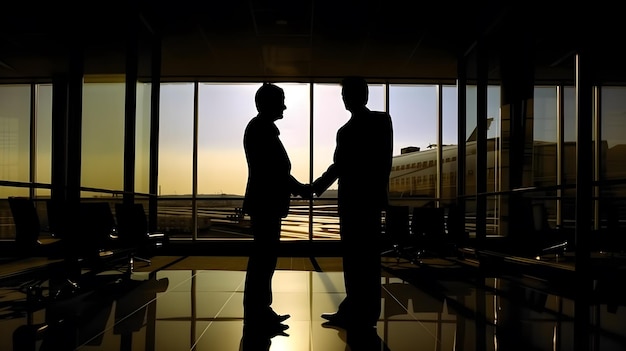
column 299, row 40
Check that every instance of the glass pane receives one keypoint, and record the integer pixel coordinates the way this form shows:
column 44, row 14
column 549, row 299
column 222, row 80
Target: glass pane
column 294, row 128
column 450, row 143
column 175, row 139
column 175, row 158
column 613, row 132
column 569, row 134
column 612, row 156
column 414, row 112
column 470, row 147
column 294, row 133
column 103, row 136
column 545, row 137
column 224, row 111
column 376, row 100
column 568, row 205
column 329, row 114
column 545, row 160
column 142, row 138
column 493, row 138
column 43, row 122
column 493, row 150
column 14, row 133
column 493, row 159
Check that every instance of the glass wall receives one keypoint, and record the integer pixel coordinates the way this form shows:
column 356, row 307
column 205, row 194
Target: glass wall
column 449, row 145
column 176, row 128
column 414, row 112
column 612, row 165
column 102, row 154
column 493, row 156
column 329, row 114
column 142, row 138
column 612, row 136
column 545, row 152
column 225, row 109
column 43, row 134
column 14, row 149
column 14, row 133
column 568, row 195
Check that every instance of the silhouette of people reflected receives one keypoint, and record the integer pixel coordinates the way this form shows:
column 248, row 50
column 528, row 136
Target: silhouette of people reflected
column 259, row 337
column 360, row 339
column 361, row 164
column 365, row 339
column 267, row 198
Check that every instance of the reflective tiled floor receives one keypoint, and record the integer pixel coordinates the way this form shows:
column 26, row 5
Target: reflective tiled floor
column 197, row 305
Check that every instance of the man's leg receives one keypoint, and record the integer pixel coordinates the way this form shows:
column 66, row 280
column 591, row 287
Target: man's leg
column 362, row 273
column 261, row 265
column 361, row 268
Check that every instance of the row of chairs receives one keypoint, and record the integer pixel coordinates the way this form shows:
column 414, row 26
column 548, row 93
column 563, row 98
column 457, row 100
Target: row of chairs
column 88, row 232
column 420, row 232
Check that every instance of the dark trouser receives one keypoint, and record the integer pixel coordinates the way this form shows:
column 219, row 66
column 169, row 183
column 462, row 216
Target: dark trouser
column 257, row 296
column 360, row 234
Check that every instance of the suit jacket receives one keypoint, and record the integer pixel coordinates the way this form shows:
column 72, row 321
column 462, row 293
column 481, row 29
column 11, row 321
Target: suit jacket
column 270, row 183
column 362, row 161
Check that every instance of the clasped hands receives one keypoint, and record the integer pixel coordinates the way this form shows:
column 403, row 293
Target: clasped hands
column 307, row 191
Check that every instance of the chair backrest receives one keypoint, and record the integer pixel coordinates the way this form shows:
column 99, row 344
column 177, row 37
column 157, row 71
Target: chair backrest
column 26, row 220
column 96, row 223
column 428, row 222
column 58, row 218
column 455, row 225
column 132, row 223
column 397, row 224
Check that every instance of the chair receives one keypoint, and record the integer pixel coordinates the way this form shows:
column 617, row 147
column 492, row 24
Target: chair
column 28, row 230
column 455, row 226
column 132, row 225
column 396, row 231
column 428, row 230
column 97, row 229
column 88, row 232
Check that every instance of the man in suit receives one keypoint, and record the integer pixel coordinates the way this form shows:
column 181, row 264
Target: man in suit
column 361, row 164
column 267, row 198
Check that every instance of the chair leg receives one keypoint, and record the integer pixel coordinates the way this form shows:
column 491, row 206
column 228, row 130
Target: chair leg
column 134, row 258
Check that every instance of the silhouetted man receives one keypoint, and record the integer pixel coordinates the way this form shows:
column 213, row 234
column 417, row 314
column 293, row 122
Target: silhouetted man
column 268, row 192
column 361, row 164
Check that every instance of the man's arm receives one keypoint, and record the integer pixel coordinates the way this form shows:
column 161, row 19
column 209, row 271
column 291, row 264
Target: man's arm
column 322, row 183
column 300, row 189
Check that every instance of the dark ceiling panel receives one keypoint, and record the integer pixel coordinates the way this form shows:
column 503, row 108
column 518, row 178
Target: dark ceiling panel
column 303, row 40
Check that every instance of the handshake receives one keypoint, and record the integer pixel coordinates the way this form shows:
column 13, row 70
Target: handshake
column 307, row 191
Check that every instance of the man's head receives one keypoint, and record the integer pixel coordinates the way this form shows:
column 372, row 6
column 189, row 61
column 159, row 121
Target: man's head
column 270, row 100
column 354, row 92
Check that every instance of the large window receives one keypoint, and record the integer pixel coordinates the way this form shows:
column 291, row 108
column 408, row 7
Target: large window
column 176, row 139
column 208, row 202
column 450, row 144
column 492, row 158
column 612, row 136
column 612, row 156
column 43, row 144
column 14, row 133
column 102, row 154
column 142, row 139
column 414, row 112
column 175, row 179
column 329, row 114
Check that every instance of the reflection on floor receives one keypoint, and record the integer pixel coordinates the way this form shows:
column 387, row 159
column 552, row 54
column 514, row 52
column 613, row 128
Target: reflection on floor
column 195, row 303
